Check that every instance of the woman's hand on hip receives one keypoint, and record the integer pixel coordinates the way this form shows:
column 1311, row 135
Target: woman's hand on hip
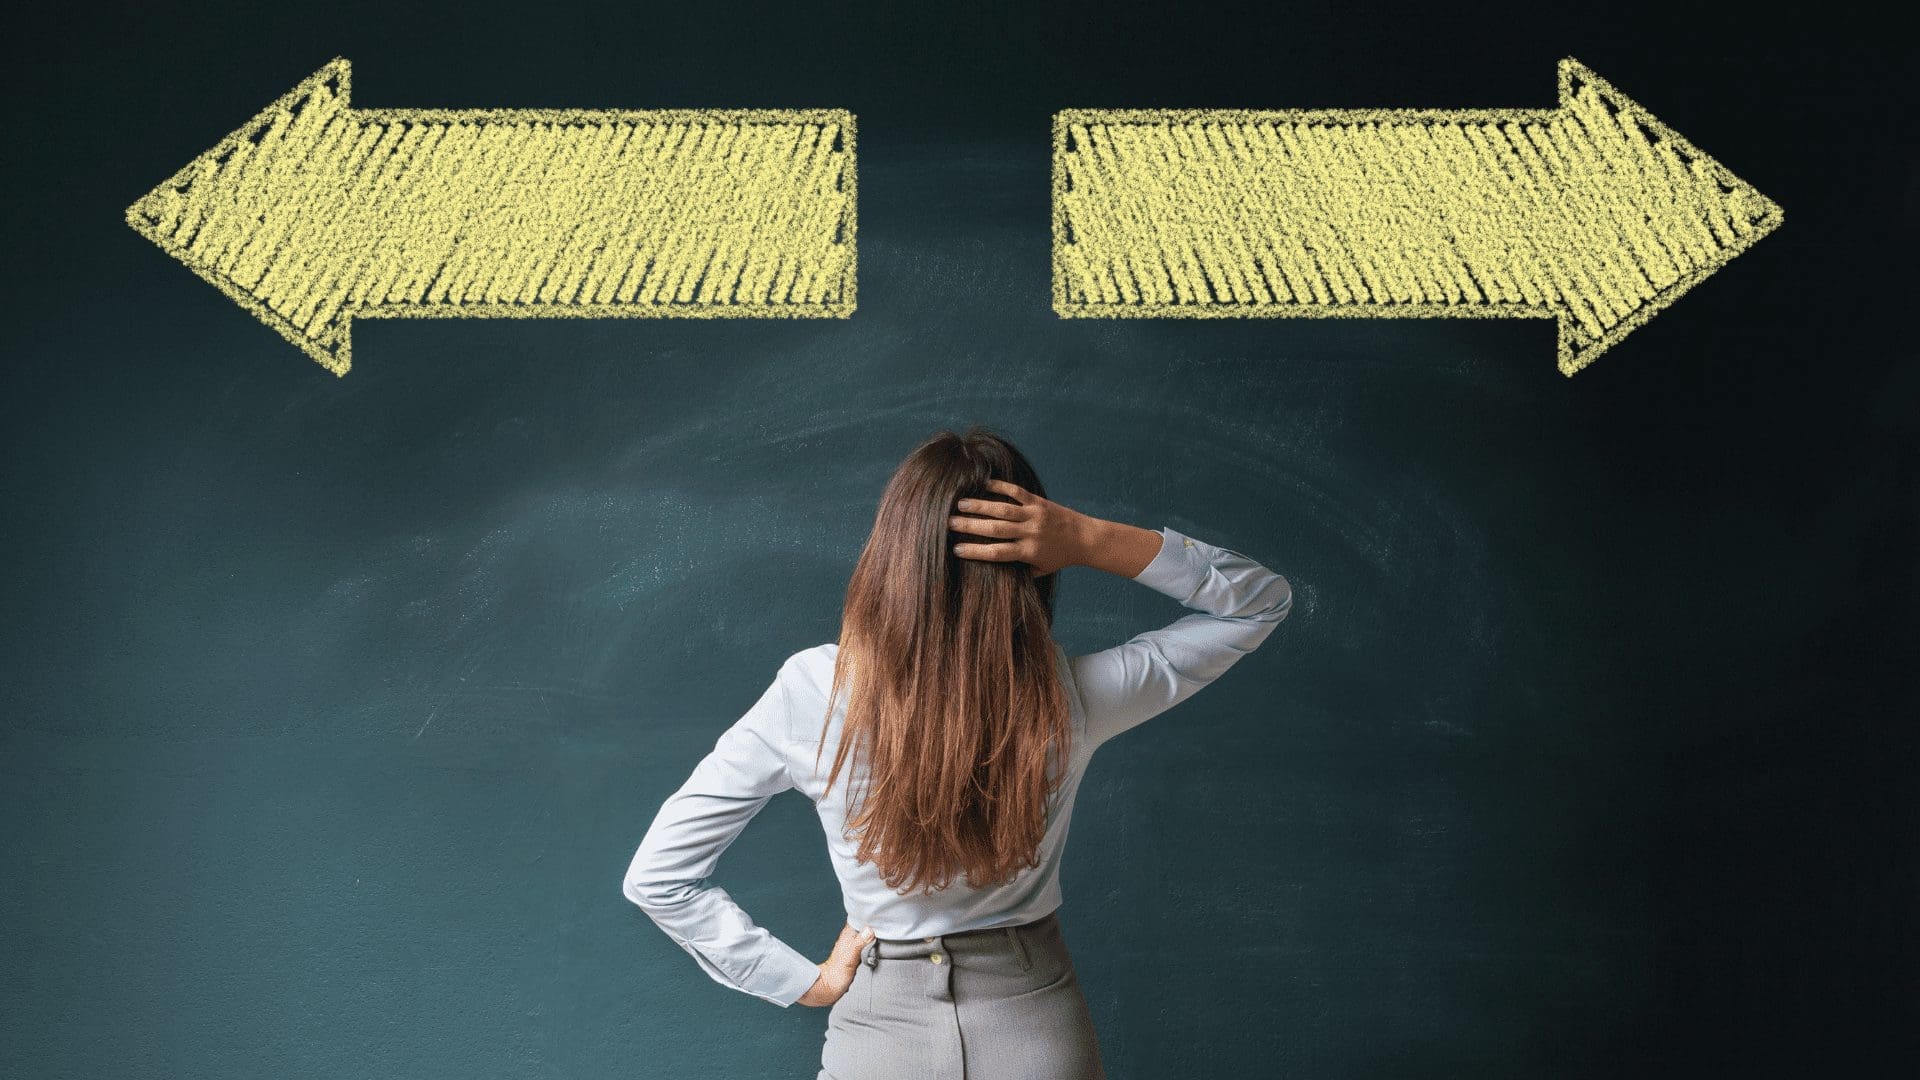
column 1031, row 529
column 836, row 972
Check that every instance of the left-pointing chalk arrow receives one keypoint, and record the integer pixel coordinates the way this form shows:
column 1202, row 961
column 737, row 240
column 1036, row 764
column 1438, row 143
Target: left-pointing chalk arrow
column 316, row 213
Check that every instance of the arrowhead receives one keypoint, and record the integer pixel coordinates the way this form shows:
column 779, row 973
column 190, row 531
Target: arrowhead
column 248, row 215
column 1652, row 215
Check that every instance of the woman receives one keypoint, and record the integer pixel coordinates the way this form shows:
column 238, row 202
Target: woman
column 963, row 731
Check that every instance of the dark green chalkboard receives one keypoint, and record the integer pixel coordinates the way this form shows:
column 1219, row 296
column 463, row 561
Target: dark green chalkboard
column 334, row 708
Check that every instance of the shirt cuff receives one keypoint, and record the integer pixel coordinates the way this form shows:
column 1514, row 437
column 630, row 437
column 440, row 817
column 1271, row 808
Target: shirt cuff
column 1178, row 568
column 791, row 976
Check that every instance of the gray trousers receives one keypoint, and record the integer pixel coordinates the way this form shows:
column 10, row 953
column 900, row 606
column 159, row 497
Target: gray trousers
column 999, row 1004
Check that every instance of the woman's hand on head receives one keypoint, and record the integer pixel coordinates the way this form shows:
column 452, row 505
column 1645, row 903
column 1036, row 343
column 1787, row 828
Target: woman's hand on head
column 836, row 971
column 1031, row 529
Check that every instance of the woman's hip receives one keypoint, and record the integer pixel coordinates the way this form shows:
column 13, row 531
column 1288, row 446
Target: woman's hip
column 982, row 1004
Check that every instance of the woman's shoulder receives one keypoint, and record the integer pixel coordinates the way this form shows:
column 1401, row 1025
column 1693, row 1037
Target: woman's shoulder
column 806, row 677
column 810, row 670
column 813, row 657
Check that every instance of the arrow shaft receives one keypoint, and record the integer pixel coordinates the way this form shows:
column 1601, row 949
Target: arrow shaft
column 493, row 213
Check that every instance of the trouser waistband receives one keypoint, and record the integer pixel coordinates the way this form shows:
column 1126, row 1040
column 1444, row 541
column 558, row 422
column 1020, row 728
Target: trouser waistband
column 992, row 939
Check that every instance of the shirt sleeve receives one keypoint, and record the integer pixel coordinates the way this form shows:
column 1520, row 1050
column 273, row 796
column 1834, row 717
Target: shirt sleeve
column 668, row 875
column 1237, row 602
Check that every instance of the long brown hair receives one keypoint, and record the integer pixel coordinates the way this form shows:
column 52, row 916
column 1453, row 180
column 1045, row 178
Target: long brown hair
column 954, row 701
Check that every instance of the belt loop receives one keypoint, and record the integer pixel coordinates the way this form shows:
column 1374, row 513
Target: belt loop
column 1026, row 962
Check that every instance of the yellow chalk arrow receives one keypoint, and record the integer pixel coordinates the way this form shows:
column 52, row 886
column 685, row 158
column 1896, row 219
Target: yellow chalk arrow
column 1594, row 213
column 315, row 213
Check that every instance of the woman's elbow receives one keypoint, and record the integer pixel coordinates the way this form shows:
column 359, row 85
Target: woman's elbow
column 655, row 895
column 1279, row 599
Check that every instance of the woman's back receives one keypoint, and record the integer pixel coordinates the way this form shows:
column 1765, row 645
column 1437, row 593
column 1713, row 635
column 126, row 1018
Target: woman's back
column 778, row 744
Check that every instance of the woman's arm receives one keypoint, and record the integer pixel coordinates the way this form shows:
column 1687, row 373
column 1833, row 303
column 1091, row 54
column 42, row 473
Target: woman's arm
column 1237, row 603
column 667, row 877
column 1115, row 547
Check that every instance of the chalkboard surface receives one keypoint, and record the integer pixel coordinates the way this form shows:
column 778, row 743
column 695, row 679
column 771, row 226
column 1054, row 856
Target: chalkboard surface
column 335, row 707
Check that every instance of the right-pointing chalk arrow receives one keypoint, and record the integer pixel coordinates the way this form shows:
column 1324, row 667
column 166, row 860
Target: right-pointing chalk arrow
column 1594, row 213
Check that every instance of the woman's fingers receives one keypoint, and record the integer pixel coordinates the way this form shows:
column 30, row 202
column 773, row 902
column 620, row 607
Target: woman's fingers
column 845, row 959
column 1030, row 529
column 846, row 951
column 1008, row 487
column 992, row 508
column 980, row 526
column 1014, row 551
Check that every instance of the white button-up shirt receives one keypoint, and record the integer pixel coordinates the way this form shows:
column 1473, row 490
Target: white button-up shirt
column 1237, row 602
